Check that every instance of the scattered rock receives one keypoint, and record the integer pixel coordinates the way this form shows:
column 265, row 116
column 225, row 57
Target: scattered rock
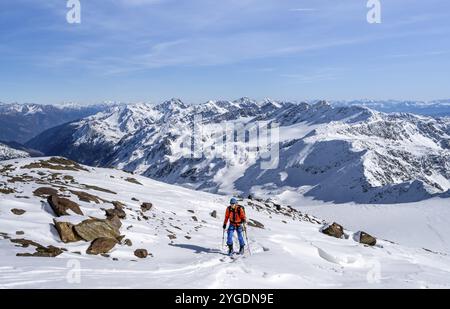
column 214, row 214
column 254, row 223
column 141, row 253
column 98, row 189
column 56, row 164
column 132, row 180
column 116, row 211
column 366, row 239
column 96, row 228
column 333, row 230
column 135, row 199
column 20, row 233
column 49, row 251
column 25, row 243
column 7, row 191
column 146, row 206
column 61, row 205
column 18, row 212
column 191, row 211
column 128, row 242
column 66, row 232
column 101, row 246
column 87, row 197
column 194, row 218
column 45, row 192
column 172, row 237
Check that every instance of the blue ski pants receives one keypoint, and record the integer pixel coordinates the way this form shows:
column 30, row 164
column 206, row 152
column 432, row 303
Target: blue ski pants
column 239, row 231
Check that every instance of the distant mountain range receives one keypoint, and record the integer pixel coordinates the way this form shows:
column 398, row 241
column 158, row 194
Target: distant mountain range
column 329, row 152
column 21, row 122
column 431, row 108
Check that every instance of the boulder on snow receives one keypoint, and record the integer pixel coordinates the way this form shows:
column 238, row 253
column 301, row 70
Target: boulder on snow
column 115, row 221
column 116, row 211
column 141, row 253
column 18, row 212
column 333, row 230
column 67, row 232
column 45, row 192
column 254, row 223
column 146, row 206
column 96, row 228
column 366, row 239
column 61, row 205
column 101, row 246
column 214, row 214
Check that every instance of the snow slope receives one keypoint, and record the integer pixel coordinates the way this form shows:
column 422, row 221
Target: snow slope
column 289, row 252
column 339, row 154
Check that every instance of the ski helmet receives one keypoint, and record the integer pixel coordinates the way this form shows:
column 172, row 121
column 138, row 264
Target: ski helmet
column 233, row 201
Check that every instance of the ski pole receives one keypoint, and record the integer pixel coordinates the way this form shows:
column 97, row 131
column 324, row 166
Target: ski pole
column 246, row 238
column 223, row 240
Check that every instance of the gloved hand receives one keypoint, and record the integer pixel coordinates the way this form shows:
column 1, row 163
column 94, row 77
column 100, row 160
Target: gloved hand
column 224, row 226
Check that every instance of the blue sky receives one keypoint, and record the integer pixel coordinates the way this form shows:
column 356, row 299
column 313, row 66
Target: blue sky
column 151, row 50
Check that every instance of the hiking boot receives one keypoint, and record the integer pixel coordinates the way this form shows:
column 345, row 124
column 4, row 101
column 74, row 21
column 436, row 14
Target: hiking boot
column 230, row 249
column 241, row 250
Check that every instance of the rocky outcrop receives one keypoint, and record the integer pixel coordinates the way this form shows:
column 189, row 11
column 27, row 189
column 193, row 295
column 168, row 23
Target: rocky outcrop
column 333, row 230
column 101, row 246
column 92, row 229
column 67, row 232
column 61, row 205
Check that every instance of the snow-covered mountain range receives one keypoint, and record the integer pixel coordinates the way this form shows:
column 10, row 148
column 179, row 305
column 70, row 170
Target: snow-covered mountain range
column 426, row 108
column 64, row 225
column 21, row 122
column 329, row 153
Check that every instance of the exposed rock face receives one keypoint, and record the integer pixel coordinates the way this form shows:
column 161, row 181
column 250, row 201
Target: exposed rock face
column 101, row 245
column 95, row 228
column 18, row 212
column 141, row 253
column 334, row 230
column 366, row 239
column 146, row 206
column 67, row 232
column 61, row 205
column 45, row 192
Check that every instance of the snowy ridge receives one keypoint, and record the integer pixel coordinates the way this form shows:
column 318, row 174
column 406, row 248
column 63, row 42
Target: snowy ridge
column 341, row 154
column 7, row 153
column 182, row 235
